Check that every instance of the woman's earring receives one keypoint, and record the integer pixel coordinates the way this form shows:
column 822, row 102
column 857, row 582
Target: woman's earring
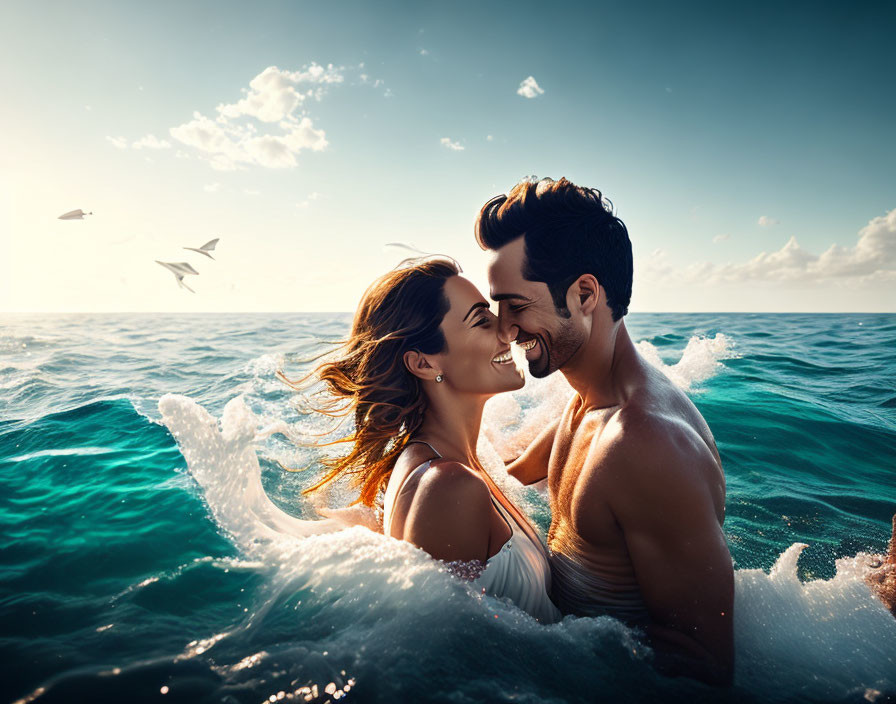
column 439, row 377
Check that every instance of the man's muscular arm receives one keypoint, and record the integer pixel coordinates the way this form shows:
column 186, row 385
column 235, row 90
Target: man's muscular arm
column 664, row 505
column 532, row 465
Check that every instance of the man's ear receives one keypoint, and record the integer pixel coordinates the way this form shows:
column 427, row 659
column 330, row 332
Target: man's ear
column 584, row 293
column 418, row 365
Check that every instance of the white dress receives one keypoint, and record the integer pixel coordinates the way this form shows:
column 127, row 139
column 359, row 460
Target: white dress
column 518, row 571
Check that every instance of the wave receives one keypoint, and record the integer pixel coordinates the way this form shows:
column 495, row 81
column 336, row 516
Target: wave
column 823, row 639
column 511, row 421
column 339, row 608
column 700, row 360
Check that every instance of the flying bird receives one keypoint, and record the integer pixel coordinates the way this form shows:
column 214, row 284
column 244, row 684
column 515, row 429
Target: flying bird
column 417, row 254
column 407, row 247
column 206, row 248
column 74, row 215
column 179, row 269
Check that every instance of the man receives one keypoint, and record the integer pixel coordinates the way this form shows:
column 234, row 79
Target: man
column 637, row 491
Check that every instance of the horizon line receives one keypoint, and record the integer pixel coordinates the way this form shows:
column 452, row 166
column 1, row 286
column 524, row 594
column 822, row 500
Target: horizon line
column 346, row 312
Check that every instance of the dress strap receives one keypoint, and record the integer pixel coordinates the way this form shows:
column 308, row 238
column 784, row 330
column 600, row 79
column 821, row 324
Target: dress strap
column 391, row 508
column 423, row 442
column 505, row 514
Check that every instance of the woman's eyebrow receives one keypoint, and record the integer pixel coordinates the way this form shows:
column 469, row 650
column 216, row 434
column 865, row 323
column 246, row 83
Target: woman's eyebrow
column 481, row 304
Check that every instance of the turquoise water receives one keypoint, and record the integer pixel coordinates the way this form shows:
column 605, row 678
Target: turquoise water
column 120, row 576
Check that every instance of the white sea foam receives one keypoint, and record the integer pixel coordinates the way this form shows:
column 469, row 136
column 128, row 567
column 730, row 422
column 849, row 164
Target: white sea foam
column 699, row 361
column 823, row 639
column 225, row 464
column 511, row 421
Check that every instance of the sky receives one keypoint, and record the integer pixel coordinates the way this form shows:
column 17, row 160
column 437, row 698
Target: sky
column 749, row 148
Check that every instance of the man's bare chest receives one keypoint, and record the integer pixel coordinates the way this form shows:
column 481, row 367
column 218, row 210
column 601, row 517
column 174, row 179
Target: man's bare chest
column 582, row 521
column 574, row 446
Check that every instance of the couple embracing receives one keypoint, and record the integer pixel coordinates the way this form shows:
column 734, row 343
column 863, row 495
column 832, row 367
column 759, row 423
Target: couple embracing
column 636, row 487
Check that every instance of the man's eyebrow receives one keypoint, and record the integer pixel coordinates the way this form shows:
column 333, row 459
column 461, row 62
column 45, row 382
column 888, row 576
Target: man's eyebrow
column 506, row 296
column 481, row 304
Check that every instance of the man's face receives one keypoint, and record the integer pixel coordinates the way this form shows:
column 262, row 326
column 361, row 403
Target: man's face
column 527, row 315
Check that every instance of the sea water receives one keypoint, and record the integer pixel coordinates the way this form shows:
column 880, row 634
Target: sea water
column 140, row 566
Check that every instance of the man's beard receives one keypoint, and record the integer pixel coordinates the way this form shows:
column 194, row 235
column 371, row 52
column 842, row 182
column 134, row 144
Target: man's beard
column 565, row 342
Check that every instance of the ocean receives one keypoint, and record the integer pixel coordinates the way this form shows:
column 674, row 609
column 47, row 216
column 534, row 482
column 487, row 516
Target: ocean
column 129, row 574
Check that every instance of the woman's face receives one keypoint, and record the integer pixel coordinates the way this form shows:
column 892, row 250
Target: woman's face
column 475, row 360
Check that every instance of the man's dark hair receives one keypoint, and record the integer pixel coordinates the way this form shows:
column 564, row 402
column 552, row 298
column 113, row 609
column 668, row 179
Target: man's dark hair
column 568, row 231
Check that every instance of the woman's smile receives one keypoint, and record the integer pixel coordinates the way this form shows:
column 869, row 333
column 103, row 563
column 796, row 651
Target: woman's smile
column 504, row 357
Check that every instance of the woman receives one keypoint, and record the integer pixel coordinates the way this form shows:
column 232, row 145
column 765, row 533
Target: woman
column 422, row 358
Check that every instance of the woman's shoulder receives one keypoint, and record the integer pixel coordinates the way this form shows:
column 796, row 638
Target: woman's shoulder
column 437, row 474
column 447, row 479
column 451, row 516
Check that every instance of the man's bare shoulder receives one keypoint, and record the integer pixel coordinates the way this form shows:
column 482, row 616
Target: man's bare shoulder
column 643, row 444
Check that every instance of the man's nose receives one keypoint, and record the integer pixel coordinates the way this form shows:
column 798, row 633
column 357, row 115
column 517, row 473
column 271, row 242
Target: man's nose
column 507, row 331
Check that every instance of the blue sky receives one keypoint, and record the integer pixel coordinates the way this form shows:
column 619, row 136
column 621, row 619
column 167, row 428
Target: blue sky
column 748, row 148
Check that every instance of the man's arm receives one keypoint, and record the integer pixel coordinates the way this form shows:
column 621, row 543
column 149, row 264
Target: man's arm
column 532, row 465
column 679, row 553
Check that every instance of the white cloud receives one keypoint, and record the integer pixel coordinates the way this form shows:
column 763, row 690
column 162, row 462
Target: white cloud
column 720, row 238
column 873, row 258
column 311, row 196
column 229, row 145
column 454, row 146
column 150, row 141
column 375, row 83
column 529, row 88
column 424, row 52
column 251, row 192
column 274, row 98
column 489, row 138
column 272, row 95
column 211, row 187
column 766, row 221
column 875, row 251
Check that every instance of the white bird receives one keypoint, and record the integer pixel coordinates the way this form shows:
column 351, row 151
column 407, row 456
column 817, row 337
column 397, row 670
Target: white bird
column 179, row 269
column 74, row 215
column 206, row 248
column 417, row 254
column 407, row 247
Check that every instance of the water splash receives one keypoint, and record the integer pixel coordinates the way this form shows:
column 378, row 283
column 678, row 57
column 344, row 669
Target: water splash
column 824, row 639
column 511, row 421
column 699, row 361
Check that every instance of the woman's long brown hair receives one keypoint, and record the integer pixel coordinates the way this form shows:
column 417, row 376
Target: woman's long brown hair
column 368, row 380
